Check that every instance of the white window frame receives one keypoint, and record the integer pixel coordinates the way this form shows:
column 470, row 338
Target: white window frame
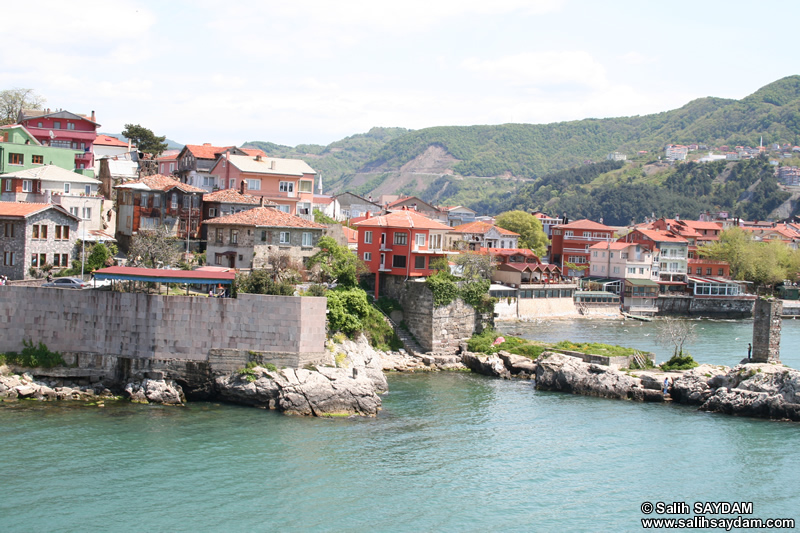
column 283, row 208
column 27, row 186
column 306, row 186
column 253, row 185
column 285, row 238
column 231, row 183
column 212, row 212
column 8, row 184
column 419, row 240
column 87, row 213
column 367, row 237
column 307, row 239
column 287, row 187
column 367, row 256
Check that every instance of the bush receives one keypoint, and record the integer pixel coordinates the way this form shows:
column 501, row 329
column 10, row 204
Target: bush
column 679, row 362
column 33, row 356
column 529, row 350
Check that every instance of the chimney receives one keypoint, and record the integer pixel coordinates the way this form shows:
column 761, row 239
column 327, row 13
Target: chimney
column 258, row 157
column 93, row 118
column 368, row 215
column 243, row 187
column 261, row 201
column 272, row 164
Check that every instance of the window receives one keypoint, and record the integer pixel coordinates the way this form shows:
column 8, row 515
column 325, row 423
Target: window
column 174, row 201
column 641, row 270
column 401, row 239
column 212, row 212
column 15, row 159
column 219, row 235
column 70, row 126
column 66, row 188
column 399, row 261
column 284, row 237
column 208, row 181
column 253, row 185
column 367, row 237
column 284, row 208
column 39, row 231
column 631, row 270
column 419, row 262
column 419, row 240
column 87, row 190
column 8, row 185
column 435, row 242
column 263, row 235
column 568, row 233
column 37, row 159
column 287, row 187
column 708, row 271
column 8, row 229
column 8, row 258
column 35, row 260
column 56, row 125
column 367, row 256
column 156, row 200
column 232, row 183
column 62, row 233
column 171, row 167
column 699, row 271
column 234, row 236
column 307, row 238
column 145, row 199
column 73, row 210
column 616, row 270
column 304, row 208
column 87, row 213
column 721, row 272
column 306, row 186
column 186, row 200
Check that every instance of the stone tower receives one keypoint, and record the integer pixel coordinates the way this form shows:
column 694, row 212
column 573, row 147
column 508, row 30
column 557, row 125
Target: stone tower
column 767, row 330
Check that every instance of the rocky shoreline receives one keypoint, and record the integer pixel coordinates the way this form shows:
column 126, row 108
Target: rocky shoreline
column 761, row 390
column 350, row 384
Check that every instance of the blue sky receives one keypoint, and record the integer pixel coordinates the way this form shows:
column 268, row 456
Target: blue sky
column 318, row 71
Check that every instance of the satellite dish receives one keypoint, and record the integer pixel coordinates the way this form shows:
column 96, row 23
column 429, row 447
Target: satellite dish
column 52, row 135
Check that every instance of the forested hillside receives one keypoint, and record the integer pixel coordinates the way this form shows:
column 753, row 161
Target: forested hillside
column 550, row 166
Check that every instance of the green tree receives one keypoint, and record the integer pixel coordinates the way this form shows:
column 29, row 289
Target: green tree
column 145, row 140
column 337, row 263
column 12, row 101
column 98, row 257
column 531, row 234
column 475, row 265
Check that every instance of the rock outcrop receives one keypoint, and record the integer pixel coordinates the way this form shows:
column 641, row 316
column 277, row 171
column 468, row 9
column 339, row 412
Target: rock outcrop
column 20, row 386
column 488, row 365
column 558, row 372
column 166, row 392
column 322, row 392
column 761, row 390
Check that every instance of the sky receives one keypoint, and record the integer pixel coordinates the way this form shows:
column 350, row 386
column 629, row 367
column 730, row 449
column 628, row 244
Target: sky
column 313, row 71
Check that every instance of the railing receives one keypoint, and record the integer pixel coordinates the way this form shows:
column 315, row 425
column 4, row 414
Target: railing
column 587, row 239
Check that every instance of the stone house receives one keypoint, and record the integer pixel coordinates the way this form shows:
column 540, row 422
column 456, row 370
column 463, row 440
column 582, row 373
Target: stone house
column 155, row 201
column 248, row 239
column 35, row 235
column 194, row 164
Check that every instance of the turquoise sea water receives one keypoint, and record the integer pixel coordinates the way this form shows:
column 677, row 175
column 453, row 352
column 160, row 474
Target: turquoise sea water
column 449, row 452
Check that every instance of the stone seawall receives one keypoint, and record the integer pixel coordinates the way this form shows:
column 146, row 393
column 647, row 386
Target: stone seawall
column 436, row 329
column 287, row 330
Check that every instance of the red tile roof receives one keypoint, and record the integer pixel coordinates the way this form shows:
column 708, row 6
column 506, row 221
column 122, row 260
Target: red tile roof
column 406, row 218
column 264, row 216
column 482, row 227
column 25, row 209
column 660, row 236
column 585, row 224
column 351, row 234
column 254, row 152
column 159, row 182
column 108, row 140
column 231, row 196
column 206, row 151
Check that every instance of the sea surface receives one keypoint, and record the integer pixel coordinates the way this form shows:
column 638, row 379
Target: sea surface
column 449, row 452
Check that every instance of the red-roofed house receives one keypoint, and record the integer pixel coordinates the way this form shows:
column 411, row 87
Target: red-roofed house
column 478, row 234
column 286, row 182
column 195, row 161
column 402, row 244
column 34, row 236
column 418, row 205
column 249, row 238
column 570, row 244
column 63, row 129
column 670, row 259
column 155, row 201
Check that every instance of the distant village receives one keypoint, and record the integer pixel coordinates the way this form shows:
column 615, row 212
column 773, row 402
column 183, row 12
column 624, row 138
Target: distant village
column 61, row 182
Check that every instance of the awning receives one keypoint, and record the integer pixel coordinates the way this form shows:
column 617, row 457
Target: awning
column 162, row 275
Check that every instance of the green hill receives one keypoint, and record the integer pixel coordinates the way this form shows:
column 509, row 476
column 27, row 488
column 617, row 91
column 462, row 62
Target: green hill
column 520, row 163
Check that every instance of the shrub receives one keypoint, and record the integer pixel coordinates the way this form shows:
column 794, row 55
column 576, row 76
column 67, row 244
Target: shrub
column 33, row 356
column 680, row 362
column 529, row 350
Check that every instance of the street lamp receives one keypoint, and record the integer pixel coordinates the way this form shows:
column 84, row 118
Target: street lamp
column 83, row 239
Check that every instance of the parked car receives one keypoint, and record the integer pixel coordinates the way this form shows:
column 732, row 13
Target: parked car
column 67, row 283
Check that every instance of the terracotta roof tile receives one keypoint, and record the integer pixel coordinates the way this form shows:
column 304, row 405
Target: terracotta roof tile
column 585, row 224
column 482, row 227
column 231, row 196
column 25, row 209
column 159, row 182
column 406, row 218
column 660, row 236
column 108, row 140
column 264, row 216
column 206, row 151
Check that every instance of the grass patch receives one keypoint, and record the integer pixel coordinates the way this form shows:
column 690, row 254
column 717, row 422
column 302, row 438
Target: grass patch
column 595, row 348
column 680, row 362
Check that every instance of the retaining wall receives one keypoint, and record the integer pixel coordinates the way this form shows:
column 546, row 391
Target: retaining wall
column 284, row 330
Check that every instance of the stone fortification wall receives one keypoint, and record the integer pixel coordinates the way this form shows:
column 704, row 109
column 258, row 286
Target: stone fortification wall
column 673, row 305
column 288, row 329
column 436, row 329
column 767, row 331
column 728, row 307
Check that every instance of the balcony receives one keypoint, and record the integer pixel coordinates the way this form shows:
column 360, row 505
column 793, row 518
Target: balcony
column 586, row 239
column 385, row 247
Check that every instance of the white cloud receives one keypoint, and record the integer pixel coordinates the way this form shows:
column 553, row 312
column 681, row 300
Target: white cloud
column 637, row 58
column 542, row 68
